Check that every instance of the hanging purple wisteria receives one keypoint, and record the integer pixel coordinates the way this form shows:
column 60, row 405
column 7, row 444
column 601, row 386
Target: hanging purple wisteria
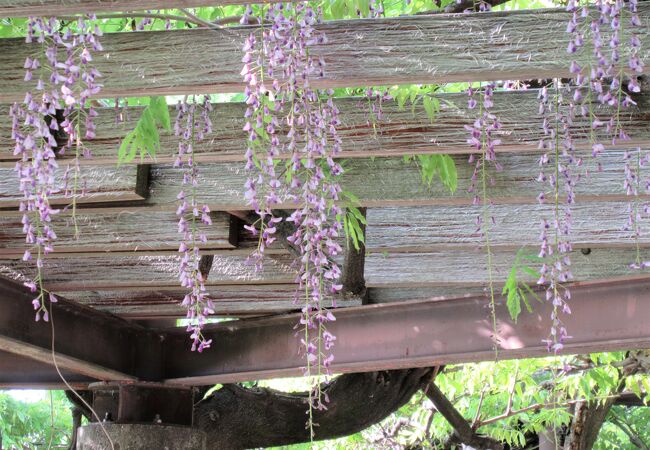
column 278, row 70
column 192, row 125
column 556, row 172
column 483, row 138
column 62, row 76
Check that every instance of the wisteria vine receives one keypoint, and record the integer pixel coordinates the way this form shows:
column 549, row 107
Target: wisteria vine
column 278, row 70
column 191, row 127
column 69, row 83
column 484, row 140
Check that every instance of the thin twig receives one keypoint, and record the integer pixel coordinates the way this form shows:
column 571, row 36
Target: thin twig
column 477, row 416
column 161, row 16
column 541, row 406
column 197, row 19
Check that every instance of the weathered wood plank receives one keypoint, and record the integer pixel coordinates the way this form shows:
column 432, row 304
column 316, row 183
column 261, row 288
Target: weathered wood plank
column 377, row 182
column 102, row 184
column 106, row 273
column 24, row 8
column 392, row 182
column 399, row 132
column 413, row 229
column 394, row 229
column 114, row 230
column 469, row 267
column 396, row 269
column 121, row 231
column 228, row 300
column 422, row 49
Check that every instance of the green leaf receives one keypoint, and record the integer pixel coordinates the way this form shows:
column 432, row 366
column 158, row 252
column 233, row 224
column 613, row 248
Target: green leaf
column 145, row 138
column 514, row 304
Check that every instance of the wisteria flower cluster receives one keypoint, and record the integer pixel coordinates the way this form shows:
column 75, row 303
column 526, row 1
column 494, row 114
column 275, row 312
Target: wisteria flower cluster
column 192, row 125
column 634, row 162
column 556, row 165
column 278, row 71
column 483, row 138
column 608, row 79
column 67, row 82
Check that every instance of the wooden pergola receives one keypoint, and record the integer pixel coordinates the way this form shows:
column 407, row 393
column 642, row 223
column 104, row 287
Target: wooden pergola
column 421, row 300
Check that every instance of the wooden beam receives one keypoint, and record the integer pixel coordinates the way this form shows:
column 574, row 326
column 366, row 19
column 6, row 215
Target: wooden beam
column 513, row 45
column 24, row 8
column 404, row 131
column 595, row 225
column 114, row 230
column 102, row 184
column 606, row 317
column 393, row 182
column 382, row 269
column 228, row 300
column 78, row 334
column 383, row 182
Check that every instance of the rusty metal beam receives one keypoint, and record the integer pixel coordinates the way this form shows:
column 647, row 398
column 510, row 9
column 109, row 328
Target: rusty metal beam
column 86, row 342
column 606, row 317
column 19, row 372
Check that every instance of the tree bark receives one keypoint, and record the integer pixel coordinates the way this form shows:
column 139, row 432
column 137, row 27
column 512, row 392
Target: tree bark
column 463, row 432
column 76, row 423
column 587, row 420
column 235, row 417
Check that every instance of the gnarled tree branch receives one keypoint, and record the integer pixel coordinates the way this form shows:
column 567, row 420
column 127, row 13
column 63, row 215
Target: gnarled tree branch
column 463, row 432
column 235, row 417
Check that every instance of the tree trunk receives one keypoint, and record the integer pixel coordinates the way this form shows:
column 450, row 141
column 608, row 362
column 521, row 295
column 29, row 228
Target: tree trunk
column 235, row 417
column 588, row 418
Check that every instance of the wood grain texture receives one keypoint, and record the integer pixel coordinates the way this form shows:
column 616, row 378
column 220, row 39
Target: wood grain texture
column 399, row 132
column 434, row 268
column 228, row 300
column 102, row 184
column 120, row 231
column 24, row 8
column 377, row 182
column 421, row 49
column 412, row 229
column 392, row 182
column 113, row 230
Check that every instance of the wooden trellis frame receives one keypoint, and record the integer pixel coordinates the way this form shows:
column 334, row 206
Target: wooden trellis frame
column 421, row 241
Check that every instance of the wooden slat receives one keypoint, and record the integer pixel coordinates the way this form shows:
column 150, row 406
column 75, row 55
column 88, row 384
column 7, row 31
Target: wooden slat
column 399, row 132
column 413, row 229
column 392, row 182
column 106, row 273
column 103, row 184
column 422, row 49
column 228, row 300
column 114, row 230
column 121, row 231
column 469, row 268
column 388, row 182
column 24, row 8
column 434, row 268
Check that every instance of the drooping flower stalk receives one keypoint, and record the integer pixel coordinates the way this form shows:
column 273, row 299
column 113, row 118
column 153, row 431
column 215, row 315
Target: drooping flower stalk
column 632, row 186
column 611, row 81
column 483, row 139
column 79, row 113
column 278, row 70
column 376, row 99
column 192, row 125
column 555, row 169
column 69, row 84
